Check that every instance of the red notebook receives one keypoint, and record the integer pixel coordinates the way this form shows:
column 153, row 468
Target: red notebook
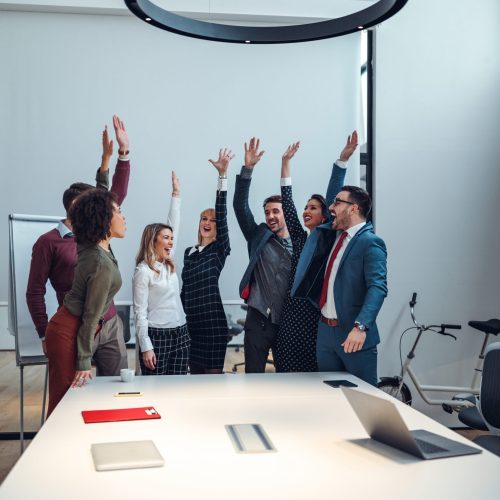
column 119, row 414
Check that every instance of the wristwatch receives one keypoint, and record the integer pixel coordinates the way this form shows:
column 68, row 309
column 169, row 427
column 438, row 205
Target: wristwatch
column 360, row 326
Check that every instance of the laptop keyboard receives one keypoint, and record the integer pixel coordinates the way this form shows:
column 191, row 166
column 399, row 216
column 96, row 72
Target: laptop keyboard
column 427, row 447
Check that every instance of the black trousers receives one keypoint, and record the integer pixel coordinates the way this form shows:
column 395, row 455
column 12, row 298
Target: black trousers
column 260, row 336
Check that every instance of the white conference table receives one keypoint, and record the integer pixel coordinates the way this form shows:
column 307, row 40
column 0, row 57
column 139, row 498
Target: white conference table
column 323, row 451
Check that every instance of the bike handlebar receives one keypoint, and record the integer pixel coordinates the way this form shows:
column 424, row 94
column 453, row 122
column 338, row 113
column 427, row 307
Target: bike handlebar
column 451, row 327
column 442, row 327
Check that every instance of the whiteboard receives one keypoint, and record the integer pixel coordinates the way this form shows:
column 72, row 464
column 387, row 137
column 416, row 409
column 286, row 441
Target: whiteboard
column 24, row 230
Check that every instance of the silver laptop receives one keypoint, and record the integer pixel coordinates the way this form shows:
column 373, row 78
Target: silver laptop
column 383, row 423
column 125, row 455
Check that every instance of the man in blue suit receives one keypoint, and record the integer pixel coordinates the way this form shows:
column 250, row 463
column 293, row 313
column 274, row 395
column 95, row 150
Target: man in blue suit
column 343, row 271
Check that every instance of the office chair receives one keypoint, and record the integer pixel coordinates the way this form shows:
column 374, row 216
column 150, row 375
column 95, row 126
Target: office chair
column 124, row 313
column 471, row 416
column 489, row 399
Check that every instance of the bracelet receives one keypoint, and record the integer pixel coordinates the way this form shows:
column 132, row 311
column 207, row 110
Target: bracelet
column 222, row 176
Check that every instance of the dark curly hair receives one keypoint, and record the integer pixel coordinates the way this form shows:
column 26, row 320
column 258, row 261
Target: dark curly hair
column 72, row 192
column 91, row 215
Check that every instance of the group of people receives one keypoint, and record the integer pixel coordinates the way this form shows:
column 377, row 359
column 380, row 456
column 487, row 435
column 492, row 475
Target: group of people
column 312, row 295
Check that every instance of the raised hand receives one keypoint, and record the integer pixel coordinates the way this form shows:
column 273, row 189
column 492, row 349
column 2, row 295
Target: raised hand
column 107, row 143
column 350, row 146
column 222, row 163
column 287, row 156
column 176, row 185
column 121, row 134
column 290, row 151
column 252, row 153
column 107, row 150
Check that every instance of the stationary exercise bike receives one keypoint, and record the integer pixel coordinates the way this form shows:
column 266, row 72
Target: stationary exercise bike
column 465, row 396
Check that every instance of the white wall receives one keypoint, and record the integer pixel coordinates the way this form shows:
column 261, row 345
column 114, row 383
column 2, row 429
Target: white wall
column 65, row 75
column 437, row 178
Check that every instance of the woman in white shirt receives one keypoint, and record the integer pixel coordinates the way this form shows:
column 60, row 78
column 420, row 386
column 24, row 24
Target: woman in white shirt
column 159, row 316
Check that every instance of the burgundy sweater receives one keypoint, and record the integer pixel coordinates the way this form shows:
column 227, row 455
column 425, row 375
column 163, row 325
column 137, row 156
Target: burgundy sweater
column 54, row 259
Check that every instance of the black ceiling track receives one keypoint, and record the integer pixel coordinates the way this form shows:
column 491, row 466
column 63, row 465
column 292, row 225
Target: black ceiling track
column 166, row 20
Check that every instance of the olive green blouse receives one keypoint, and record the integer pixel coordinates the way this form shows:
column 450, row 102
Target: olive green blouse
column 97, row 280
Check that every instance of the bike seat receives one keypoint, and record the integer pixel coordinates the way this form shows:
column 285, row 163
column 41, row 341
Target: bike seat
column 490, row 326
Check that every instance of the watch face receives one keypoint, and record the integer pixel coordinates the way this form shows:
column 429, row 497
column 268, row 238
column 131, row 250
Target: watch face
column 361, row 327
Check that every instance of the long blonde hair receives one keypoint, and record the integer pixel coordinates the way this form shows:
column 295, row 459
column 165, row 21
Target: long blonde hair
column 209, row 212
column 147, row 251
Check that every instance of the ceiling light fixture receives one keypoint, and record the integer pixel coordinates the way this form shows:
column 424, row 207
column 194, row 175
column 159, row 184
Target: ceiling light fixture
column 363, row 19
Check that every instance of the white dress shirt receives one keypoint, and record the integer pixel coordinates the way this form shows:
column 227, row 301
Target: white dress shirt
column 329, row 310
column 157, row 301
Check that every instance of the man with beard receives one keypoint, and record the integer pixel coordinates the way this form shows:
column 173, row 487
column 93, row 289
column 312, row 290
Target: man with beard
column 265, row 282
column 343, row 271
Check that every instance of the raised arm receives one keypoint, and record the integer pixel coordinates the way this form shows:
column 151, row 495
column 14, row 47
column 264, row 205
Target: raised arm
column 241, row 207
column 297, row 233
column 339, row 168
column 102, row 175
column 119, row 184
column 174, row 213
column 222, row 165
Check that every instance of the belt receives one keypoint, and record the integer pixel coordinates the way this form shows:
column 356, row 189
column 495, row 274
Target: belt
column 330, row 322
column 99, row 326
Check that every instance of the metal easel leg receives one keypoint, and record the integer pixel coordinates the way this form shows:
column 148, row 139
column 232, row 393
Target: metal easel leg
column 21, row 412
column 42, row 420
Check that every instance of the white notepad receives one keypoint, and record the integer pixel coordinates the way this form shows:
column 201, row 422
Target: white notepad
column 125, row 455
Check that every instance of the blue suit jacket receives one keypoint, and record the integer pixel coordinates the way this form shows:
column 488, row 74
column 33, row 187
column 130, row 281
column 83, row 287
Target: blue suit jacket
column 361, row 281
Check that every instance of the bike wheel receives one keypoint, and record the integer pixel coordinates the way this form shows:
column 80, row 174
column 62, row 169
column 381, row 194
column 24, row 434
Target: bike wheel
column 391, row 386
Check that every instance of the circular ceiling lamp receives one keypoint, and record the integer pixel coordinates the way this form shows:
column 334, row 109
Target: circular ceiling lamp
column 206, row 30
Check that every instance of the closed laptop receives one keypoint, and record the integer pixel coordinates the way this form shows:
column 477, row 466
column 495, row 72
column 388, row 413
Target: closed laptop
column 126, row 455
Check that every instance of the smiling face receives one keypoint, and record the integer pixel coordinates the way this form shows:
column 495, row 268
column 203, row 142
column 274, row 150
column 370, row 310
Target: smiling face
column 118, row 227
column 163, row 244
column 313, row 214
column 342, row 210
column 207, row 229
column 275, row 219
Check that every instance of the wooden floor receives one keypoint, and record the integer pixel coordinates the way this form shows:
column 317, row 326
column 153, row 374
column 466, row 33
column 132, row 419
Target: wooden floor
column 33, row 391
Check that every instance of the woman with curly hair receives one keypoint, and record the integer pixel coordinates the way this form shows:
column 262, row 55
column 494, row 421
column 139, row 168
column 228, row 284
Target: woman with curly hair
column 96, row 219
column 203, row 263
column 160, row 321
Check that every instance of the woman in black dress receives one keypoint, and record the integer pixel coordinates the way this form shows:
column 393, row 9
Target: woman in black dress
column 203, row 263
column 295, row 349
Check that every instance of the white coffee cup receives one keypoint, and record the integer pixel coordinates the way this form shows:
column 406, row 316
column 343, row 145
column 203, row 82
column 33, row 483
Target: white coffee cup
column 127, row 375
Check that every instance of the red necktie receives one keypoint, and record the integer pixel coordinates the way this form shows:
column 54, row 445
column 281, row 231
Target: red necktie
column 336, row 250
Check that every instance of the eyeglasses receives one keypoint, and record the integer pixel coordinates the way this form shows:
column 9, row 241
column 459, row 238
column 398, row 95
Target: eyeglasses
column 336, row 201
